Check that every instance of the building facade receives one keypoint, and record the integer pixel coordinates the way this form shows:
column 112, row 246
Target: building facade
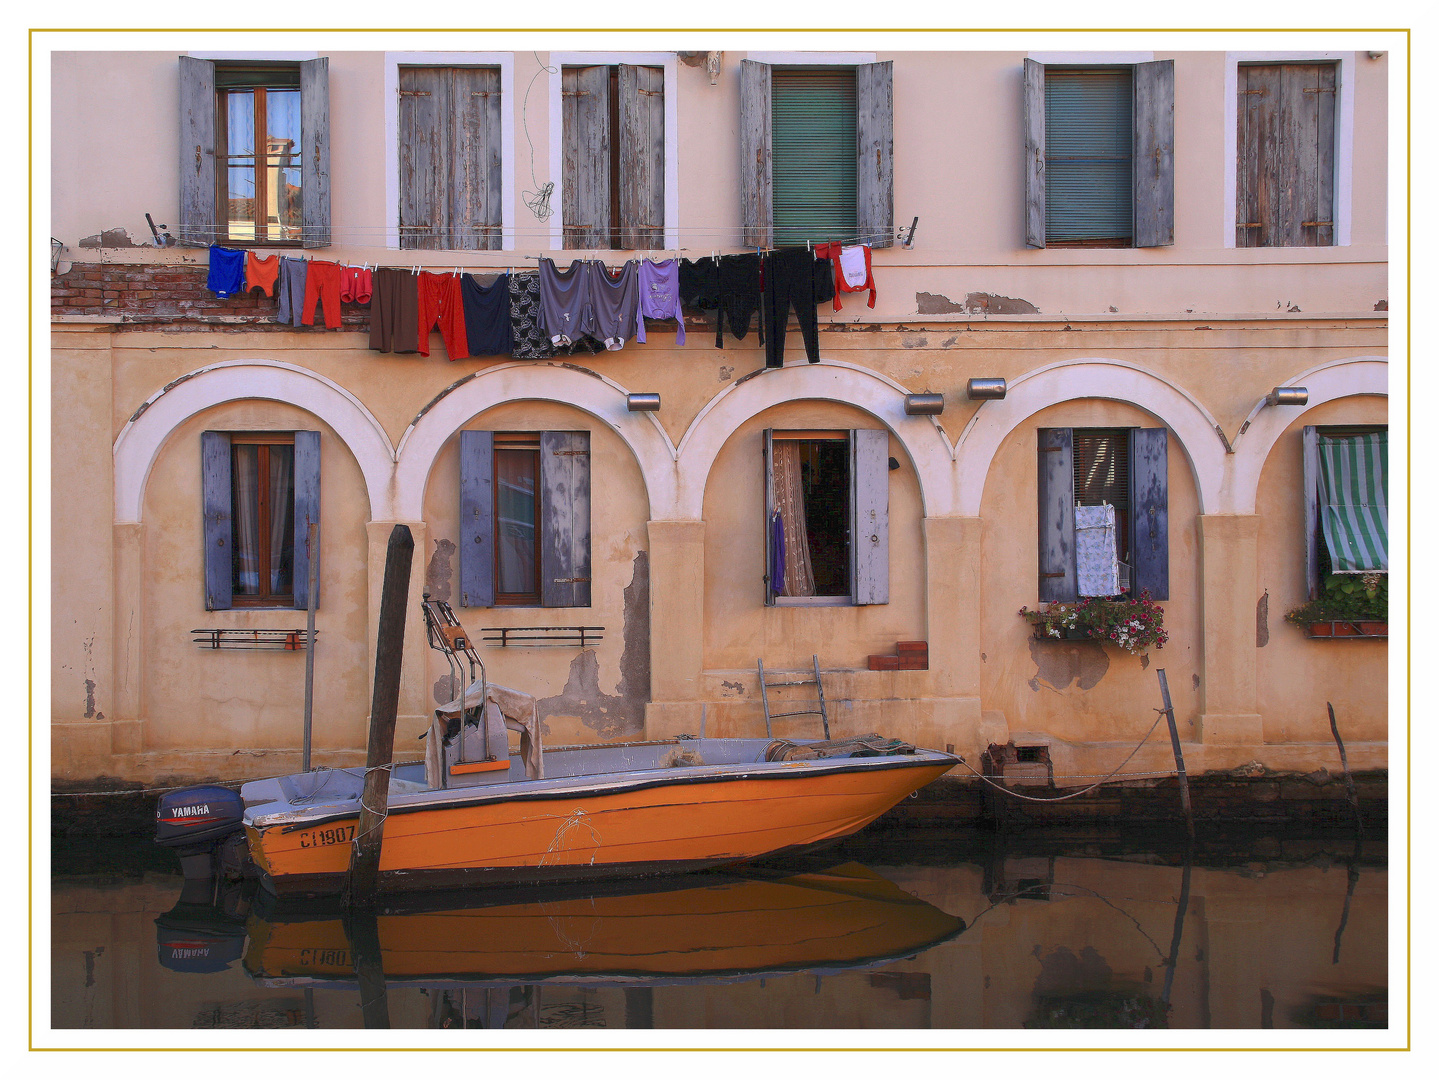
column 1141, row 246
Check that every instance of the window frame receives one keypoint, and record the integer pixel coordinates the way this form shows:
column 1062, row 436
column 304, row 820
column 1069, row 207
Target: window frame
column 1343, row 138
column 199, row 218
column 669, row 63
column 217, row 493
column 1152, row 157
column 874, row 130
column 223, row 158
column 868, row 515
column 392, row 64
column 563, row 520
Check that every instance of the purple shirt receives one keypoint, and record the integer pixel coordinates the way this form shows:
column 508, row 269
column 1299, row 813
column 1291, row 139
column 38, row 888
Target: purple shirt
column 660, row 296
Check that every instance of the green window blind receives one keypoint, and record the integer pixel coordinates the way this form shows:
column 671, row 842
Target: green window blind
column 1354, row 501
column 813, row 155
column 1088, row 153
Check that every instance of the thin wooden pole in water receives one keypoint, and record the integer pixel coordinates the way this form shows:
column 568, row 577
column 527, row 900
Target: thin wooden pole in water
column 1178, row 755
column 1349, row 788
column 313, row 540
column 389, row 648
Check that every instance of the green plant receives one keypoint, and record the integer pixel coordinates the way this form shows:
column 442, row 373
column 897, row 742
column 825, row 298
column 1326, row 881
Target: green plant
column 1134, row 623
column 1346, row 596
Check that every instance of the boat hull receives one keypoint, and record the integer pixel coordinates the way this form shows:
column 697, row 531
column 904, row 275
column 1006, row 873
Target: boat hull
column 639, row 825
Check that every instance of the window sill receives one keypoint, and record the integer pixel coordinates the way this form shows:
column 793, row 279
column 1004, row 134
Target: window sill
column 813, row 601
column 1347, row 629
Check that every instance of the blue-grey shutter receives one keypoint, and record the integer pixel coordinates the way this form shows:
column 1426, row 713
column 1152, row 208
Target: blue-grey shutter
column 585, row 128
column 1058, row 570
column 565, row 518
column 477, row 519
column 1311, row 511
column 307, row 510
column 874, row 169
column 219, row 535
column 869, row 531
column 1154, row 154
column 642, row 157
column 1149, row 511
column 1033, row 153
column 1089, row 148
column 771, row 587
column 756, row 138
column 815, row 187
column 315, row 138
column 199, row 215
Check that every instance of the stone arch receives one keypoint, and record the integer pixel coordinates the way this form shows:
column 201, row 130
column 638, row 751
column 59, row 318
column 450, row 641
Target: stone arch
column 923, row 439
column 1354, row 377
column 600, row 397
column 1092, row 377
column 143, row 436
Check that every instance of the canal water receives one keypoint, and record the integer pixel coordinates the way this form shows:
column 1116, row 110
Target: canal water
column 924, row 931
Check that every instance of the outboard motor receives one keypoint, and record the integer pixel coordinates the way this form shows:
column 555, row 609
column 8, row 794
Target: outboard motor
column 200, row 823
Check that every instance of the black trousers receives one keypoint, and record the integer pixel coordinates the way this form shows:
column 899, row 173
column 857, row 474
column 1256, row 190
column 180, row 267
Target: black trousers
column 791, row 280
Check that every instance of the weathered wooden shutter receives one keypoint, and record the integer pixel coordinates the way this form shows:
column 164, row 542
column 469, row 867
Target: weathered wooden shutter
column 1058, row 571
column 199, row 190
column 1149, row 511
column 1154, row 154
column 307, row 510
column 586, row 128
column 565, row 518
column 771, row 587
column 477, row 519
column 315, row 164
column 476, row 175
column 642, row 156
column 869, row 531
column 756, row 181
column 1285, row 172
column 216, row 496
column 423, row 136
column 1033, row 153
column 1311, row 511
column 874, row 170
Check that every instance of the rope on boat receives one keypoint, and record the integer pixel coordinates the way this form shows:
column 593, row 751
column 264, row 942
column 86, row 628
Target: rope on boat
column 1081, row 791
column 380, row 817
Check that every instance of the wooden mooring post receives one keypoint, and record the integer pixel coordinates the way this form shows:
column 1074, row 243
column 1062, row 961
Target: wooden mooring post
column 312, row 541
column 359, row 892
column 1178, row 755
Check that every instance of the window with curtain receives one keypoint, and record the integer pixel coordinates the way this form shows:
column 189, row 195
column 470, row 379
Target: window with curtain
column 258, row 147
column 1347, row 477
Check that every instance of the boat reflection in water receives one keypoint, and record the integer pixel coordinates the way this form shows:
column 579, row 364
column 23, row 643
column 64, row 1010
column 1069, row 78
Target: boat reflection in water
column 711, row 927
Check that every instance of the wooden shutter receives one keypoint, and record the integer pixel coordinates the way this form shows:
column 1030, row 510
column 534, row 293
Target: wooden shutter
column 565, row 518
column 586, row 128
column 642, row 156
column 1058, row 571
column 477, row 519
column 1154, row 154
column 315, row 163
column 756, row 181
column 215, row 486
column 1033, row 153
column 771, row 587
column 869, row 532
column 199, row 188
column 1149, row 511
column 476, row 176
column 874, row 170
column 307, row 510
column 422, row 131
column 1311, row 511
column 1285, row 172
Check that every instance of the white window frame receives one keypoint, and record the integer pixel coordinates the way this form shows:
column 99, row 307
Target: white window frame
column 506, row 63
column 1343, row 137
column 669, row 61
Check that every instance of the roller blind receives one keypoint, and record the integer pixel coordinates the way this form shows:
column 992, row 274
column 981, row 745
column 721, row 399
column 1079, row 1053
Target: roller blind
column 1088, row 148
column 814, row 140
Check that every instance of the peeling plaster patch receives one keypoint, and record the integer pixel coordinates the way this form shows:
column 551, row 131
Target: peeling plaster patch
column 983, row 659
column 1144, row 661
column 1113, row 310
column 89, row 699
column 1060, row 664
column 1196, row 681
column 1261, row 621
column 935, row 304
column 110, row 238
column 989, row 304
column 440, row 570
column 948, row 343
column 726, row 372
column 1382, row 305
column 731, row 689
column 622, row 713
column 914, row 341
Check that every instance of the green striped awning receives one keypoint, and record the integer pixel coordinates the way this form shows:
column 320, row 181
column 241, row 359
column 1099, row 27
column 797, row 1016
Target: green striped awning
column 1353, row 501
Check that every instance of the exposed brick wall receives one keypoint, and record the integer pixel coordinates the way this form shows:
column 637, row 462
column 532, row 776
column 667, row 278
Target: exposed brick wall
column 150, row 293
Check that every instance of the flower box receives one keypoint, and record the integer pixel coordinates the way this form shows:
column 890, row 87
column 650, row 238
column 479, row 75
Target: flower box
column 1133, row 623
column 1347, row 628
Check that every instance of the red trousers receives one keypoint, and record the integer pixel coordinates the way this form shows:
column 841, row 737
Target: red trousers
column 322, row 282
column 440, row 300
